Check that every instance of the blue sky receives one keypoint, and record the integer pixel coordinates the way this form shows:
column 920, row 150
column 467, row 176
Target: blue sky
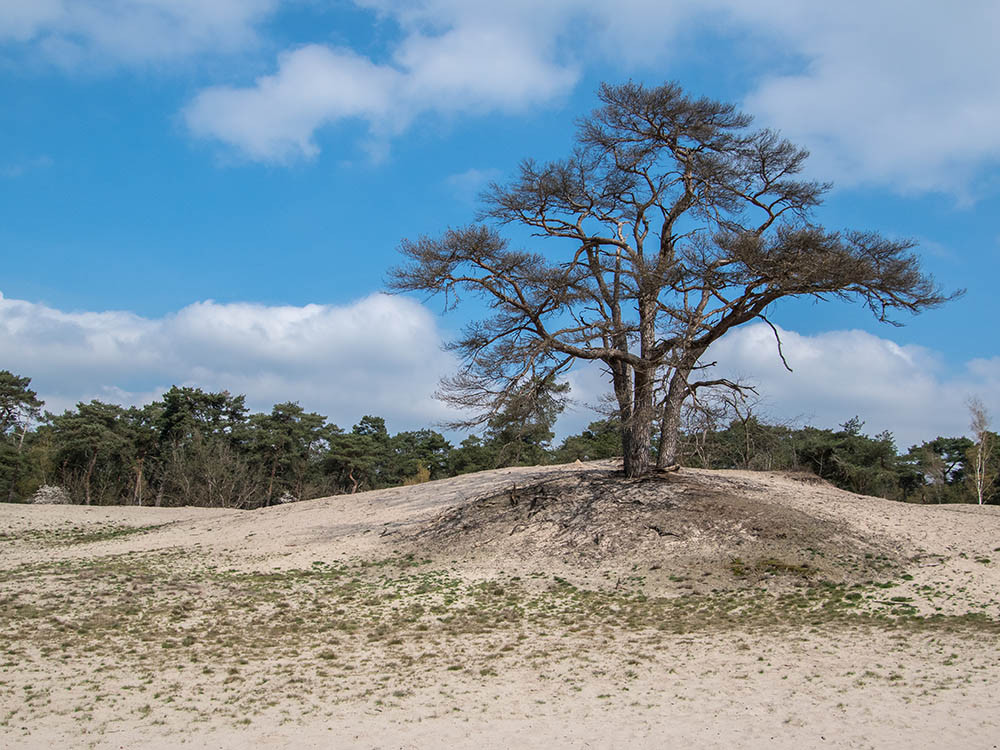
column 209, row 192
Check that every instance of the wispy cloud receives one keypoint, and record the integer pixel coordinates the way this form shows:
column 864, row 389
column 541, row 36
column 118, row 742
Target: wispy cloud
column 20, row 168
column 71, row 33
column 469, row 184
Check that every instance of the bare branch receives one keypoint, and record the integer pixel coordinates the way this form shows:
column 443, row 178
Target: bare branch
column 777, row 339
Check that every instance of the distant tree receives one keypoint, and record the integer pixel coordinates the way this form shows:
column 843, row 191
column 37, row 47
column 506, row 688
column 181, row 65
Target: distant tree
column 938, row 470
column 982, row 464
column 852, row 460
column 601, row 439
column 423, row 452
column 286, row 443
column 191, row 412
column 724, row 427
column 472, row 454
column 745, row 426
column 93, row 452
column 703, row 417
column 680, row 223
column 360, row 458
column 520, row 433
column 141, row 435
column 202, row 448
column 19, row 407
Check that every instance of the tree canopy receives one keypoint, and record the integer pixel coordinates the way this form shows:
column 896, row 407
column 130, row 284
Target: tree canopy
column 674, row 222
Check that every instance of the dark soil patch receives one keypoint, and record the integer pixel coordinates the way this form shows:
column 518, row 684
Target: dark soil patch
column 690, row 529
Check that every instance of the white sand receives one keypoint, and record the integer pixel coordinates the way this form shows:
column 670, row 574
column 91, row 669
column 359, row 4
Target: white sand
column 850, row 683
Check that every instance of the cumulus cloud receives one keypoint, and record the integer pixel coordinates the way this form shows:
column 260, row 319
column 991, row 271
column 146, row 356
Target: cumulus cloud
column 893, row 93
column 314, row 85
column 71, row 32
column 908, row 390
column 479, row 62
column 380, row 355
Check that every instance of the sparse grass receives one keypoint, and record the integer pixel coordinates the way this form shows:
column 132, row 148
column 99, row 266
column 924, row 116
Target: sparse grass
column 768, row 566
column 125, row 626
column 110, row 606
column 76, row 534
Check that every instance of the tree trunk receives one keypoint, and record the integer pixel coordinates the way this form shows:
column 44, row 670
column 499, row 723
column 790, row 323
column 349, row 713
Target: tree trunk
column 623, row 394
column 670, row 426
column 270, row 482
column 638, row 430
column 137, row 495
column 86, row 478
column 640, row 427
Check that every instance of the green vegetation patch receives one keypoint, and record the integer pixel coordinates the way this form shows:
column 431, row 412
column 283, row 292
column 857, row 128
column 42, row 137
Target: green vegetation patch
column 769, row 566
column 79, row 534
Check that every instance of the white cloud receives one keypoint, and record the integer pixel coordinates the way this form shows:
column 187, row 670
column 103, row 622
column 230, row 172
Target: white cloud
column 836, row 375
column 380, row 355
column 894, row 93
column 314, row 85
column 459, row 62
column 71, row 32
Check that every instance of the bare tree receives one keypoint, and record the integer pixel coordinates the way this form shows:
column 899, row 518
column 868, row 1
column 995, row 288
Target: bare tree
column 702, row 416
column 678, row 223
column 981, row 461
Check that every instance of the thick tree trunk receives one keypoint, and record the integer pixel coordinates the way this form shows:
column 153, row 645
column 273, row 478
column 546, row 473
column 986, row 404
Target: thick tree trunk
column 638, row 431
column 623, row 394
column 639, row 428
column 670, row 426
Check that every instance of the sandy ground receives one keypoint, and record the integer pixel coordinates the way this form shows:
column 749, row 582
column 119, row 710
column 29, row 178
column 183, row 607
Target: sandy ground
column 765, row 612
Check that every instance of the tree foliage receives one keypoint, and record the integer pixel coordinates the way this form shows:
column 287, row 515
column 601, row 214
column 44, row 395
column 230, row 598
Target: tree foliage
column 677, row 223
column 193, row 447
column 19, row 407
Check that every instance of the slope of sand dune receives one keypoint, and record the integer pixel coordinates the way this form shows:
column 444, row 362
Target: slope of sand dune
column 553, row 606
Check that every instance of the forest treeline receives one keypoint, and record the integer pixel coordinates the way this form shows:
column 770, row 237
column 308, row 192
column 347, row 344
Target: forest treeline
column 193, row 447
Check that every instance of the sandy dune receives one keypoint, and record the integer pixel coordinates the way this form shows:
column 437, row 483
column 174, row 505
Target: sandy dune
column 536, row 607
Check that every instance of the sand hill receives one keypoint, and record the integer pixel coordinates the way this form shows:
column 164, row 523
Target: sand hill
column 535, row 607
